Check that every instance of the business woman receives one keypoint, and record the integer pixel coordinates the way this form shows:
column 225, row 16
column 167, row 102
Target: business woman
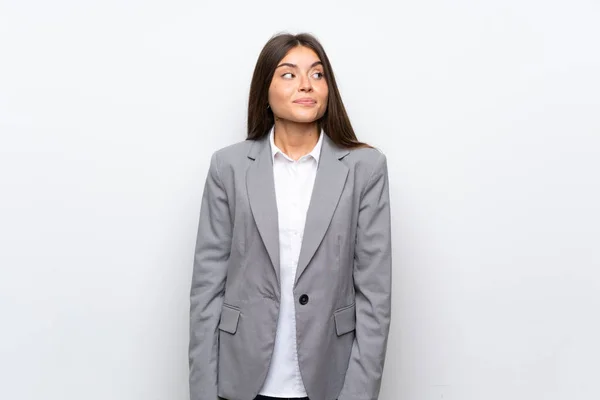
column 291, row 284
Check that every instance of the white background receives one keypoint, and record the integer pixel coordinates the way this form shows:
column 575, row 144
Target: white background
column 488, row 112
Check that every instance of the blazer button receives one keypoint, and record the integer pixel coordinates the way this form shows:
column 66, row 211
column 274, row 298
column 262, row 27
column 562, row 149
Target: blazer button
column 304, row 299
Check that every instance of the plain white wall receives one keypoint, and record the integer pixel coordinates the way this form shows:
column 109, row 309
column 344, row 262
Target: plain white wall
column 489, row 113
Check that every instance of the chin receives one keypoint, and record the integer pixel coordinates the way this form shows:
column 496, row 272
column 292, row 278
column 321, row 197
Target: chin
column 304, row 119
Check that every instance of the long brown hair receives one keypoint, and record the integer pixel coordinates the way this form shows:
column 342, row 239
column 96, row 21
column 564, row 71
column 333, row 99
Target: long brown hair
column 335, row 121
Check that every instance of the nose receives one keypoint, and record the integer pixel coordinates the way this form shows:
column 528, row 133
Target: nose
column 305, row 84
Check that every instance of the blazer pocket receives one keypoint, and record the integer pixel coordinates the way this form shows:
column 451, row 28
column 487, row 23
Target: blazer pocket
column 229, row 319
column 345, row 319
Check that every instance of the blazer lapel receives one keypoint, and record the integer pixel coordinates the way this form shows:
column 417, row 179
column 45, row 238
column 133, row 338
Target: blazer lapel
column 328, row 186
column 260, row 186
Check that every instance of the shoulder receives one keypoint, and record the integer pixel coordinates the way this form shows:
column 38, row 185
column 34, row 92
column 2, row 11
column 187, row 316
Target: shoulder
column 231, row 155
column 233, row 151
column 227, row 161
column 366, row 160
column 368, row 166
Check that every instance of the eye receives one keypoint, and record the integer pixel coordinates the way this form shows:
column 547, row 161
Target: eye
column 319, row 75
column 287, row 75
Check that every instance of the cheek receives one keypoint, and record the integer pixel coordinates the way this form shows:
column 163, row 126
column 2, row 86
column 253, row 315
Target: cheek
column 278, row 92
column 323, row 90
column 325, row 97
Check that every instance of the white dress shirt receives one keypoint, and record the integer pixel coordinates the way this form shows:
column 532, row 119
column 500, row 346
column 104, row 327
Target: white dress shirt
column 294, row 182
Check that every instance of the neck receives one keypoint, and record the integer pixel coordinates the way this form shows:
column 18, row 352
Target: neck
column 295, row 139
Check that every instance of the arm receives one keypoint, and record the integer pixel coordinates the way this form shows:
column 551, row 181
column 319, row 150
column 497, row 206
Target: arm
column 372, row 283
column 213, row 245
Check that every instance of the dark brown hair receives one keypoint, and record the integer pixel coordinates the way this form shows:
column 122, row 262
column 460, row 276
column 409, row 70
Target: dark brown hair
column 335, row 121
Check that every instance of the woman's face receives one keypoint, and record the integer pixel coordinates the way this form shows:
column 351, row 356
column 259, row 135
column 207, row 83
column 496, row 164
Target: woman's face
column 298, row 91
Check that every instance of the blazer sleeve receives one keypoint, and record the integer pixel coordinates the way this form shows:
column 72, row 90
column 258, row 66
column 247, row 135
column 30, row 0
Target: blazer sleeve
column 213, row 245
column 372, row 282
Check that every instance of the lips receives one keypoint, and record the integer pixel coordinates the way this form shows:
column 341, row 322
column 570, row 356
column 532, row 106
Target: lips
column 305, row 100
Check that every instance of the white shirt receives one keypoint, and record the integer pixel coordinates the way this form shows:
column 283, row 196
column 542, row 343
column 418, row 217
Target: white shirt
column 294, row 182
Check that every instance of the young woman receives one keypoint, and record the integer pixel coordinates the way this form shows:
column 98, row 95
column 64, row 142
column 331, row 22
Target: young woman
column 291, row 284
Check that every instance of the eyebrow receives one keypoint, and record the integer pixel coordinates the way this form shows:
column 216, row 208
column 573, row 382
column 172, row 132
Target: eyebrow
column 295, row 66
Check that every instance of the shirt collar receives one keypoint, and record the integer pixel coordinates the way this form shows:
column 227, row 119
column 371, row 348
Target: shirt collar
column 315, row 152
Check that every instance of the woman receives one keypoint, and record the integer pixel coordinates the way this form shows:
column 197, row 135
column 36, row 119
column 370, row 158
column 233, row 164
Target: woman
column 291, row 285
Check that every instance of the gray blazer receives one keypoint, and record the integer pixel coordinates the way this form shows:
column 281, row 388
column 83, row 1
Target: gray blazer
column 343, row 280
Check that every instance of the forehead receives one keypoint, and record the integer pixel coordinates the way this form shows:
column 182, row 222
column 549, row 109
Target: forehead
column 301, row 56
